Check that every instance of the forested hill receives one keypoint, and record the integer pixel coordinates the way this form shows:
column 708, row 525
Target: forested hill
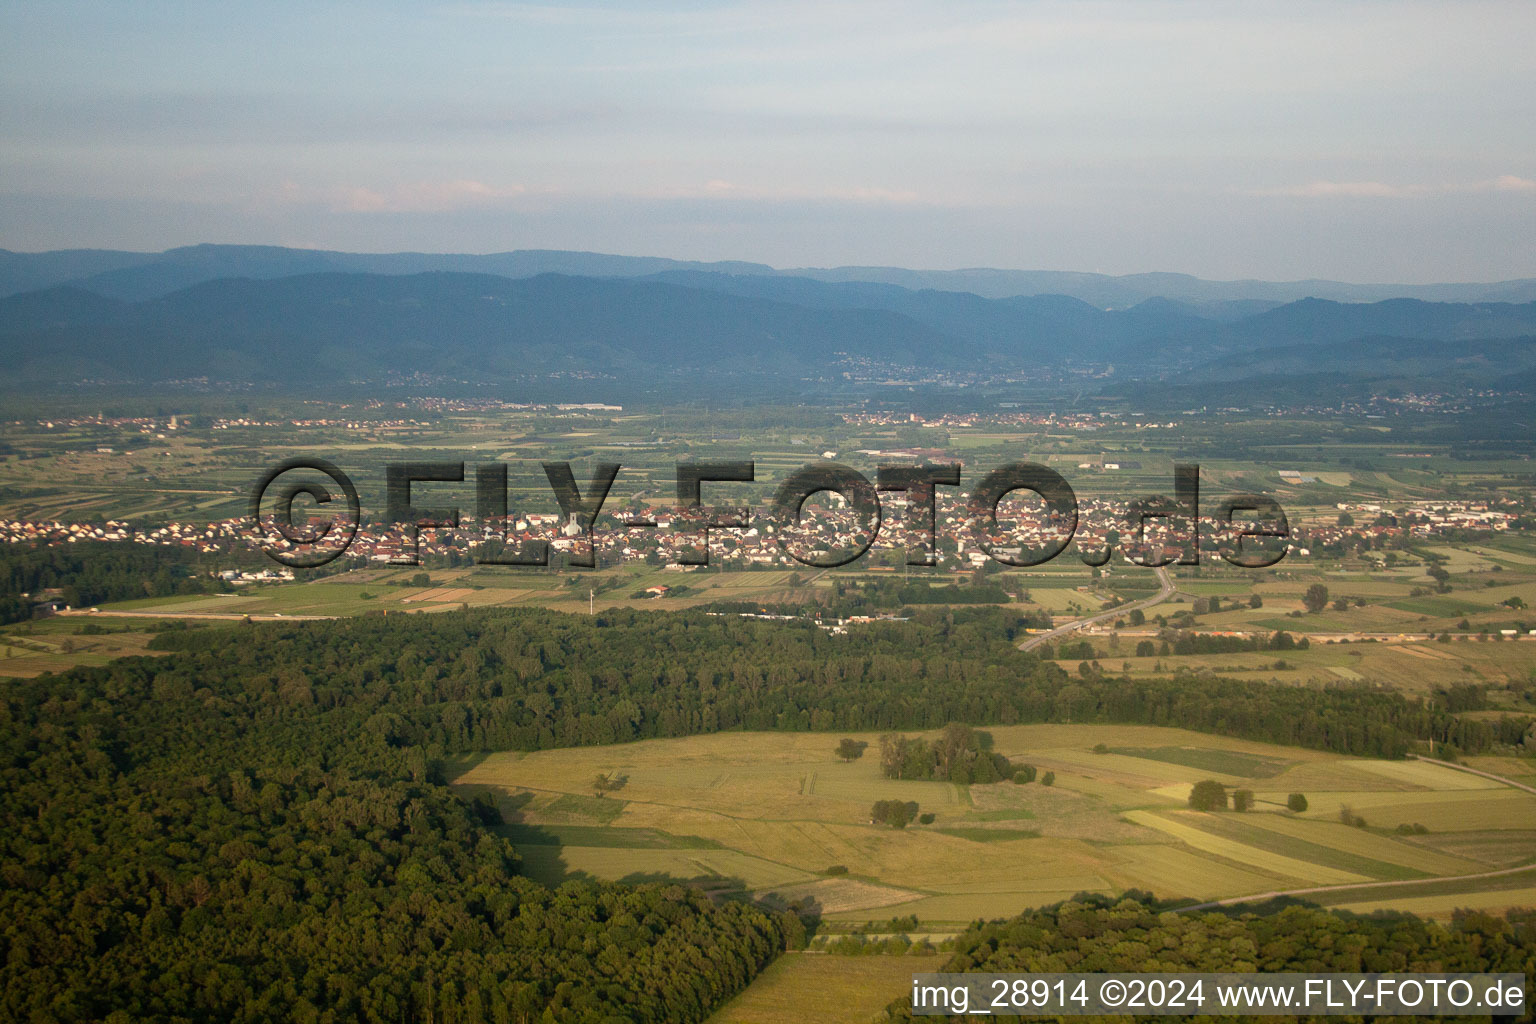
column 147, row 275
column 255, row 827
column 344, row 329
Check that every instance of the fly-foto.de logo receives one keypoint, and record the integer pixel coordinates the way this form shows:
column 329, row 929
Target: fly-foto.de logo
column 904, row 502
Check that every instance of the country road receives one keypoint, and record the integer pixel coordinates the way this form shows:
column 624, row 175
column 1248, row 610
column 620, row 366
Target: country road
column 1147, row 602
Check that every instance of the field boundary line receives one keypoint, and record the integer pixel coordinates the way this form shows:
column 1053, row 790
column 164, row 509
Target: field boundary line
column 1432, row 880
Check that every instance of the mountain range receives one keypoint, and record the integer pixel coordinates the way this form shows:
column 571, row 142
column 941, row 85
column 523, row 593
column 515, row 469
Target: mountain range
column 140, row 275
column 280, row 316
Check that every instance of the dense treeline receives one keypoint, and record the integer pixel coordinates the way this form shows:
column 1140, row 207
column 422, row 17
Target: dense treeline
column 1095, row 934
column 1207, row 643
column 95, row 572
column 255, row 826
column 530, row 680
column 1185, row 643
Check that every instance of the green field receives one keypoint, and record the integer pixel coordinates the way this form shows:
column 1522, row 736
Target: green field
column 53, row 645
column 768, row 814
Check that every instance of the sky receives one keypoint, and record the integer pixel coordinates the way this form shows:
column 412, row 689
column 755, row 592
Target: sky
column 1354, row 140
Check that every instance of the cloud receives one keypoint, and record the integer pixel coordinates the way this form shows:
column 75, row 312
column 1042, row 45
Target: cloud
column 717, row 189
column 410, row 197
column 448, row 196
column 1386, row 190
column 1348, row 189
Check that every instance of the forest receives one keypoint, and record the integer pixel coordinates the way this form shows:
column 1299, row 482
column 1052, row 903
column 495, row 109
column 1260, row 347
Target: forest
column 520, row 679
column 86, row 574
column 253, row 825
column 1096, row 934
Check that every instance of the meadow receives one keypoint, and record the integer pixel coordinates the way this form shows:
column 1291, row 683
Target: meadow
column 778, row 817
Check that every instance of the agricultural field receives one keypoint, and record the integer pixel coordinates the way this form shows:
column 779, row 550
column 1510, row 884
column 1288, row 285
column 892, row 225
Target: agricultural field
column 796, row 987
column 779, row 817
column 53, row 645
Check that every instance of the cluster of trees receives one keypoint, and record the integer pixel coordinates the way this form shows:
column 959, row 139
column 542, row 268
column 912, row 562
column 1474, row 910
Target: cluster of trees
column 1179, row 642
column 895, row 813
column 1463, row 697
column 1213, row 604
column 961, row 755
column 858, row 944
column 87, row 574
column 1210, row 795
column 1199, row 643
column 1097, row 934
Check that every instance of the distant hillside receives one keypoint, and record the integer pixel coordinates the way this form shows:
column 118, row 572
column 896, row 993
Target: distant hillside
column 139, row 276
column 336, row 328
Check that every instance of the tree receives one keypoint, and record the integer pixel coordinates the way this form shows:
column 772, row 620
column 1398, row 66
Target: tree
column 894, row 813
column 851, row 749
column 1316, row 598
column 1048, row 779
column 1242, row 799
column 1297, row 802
column 1145, row 649
column 1208, row 795
column 1255, row 601
column 1345, row 519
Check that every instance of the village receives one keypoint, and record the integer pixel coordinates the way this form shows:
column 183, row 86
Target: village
column 1358, row 527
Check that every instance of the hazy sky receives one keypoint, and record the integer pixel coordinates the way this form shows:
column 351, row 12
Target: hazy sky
column 1371, row 141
